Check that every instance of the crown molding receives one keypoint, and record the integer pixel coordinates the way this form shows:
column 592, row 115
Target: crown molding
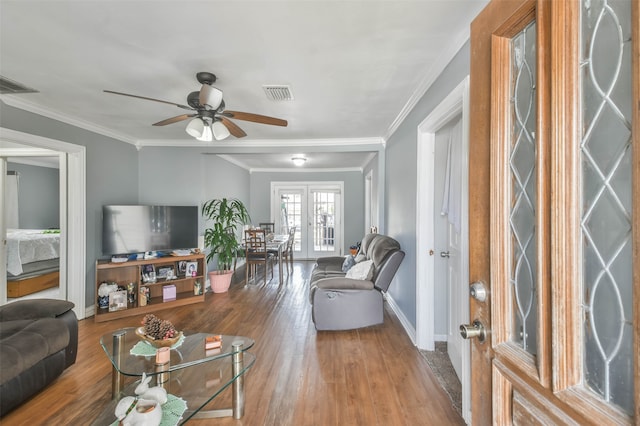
column 306, row 170
column 261, row 143
column 242, row 165
column 15, row 102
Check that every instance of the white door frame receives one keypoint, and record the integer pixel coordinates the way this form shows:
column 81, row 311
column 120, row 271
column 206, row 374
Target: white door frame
column 456, row 103
column 72, row 212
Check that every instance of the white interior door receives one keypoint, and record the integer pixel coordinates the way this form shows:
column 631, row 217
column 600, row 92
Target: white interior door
column 448, row 271
column 457, row 310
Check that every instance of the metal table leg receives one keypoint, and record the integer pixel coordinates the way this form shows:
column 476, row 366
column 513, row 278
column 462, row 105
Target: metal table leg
column 117, row 379
column 237, row 387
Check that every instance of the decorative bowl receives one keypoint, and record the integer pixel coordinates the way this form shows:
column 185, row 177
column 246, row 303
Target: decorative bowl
column 158, row 343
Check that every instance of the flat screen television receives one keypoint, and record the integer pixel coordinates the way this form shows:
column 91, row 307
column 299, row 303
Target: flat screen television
column 137, row 229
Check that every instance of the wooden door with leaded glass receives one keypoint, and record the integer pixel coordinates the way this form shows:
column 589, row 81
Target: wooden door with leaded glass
column 555, row 110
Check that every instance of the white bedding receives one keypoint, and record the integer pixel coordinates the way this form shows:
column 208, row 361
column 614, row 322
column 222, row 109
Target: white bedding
column 30, row 245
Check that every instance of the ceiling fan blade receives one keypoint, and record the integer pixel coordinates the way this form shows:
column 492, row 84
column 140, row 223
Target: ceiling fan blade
column 233, row 128
column 256, row 118
column 174, row 119
column 149, row 99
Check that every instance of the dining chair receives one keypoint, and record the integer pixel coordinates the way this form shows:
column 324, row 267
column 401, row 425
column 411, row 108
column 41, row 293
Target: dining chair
column 287, row 253
column 255, row 243
column 269, row 227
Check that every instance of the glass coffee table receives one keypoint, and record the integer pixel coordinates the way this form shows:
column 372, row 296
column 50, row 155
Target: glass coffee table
column 194, row 374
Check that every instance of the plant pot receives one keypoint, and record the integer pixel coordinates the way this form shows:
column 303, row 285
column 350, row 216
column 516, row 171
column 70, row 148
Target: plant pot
column 220, row 280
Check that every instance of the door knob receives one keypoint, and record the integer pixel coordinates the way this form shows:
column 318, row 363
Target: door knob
column 444, row 254
column 477, row 330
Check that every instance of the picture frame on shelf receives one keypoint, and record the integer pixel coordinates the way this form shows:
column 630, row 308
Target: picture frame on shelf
column 117, row 300
column 165, row 272
column 182, row 268
column 191, row 269
column 149, row 273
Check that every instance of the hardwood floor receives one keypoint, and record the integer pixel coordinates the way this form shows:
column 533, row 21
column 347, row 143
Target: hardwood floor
column 371, row 376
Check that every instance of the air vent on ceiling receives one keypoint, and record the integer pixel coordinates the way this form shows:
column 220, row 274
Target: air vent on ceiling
column 278, row 92
column 8, row 87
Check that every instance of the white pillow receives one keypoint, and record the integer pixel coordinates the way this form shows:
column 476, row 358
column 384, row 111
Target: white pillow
column 360, row 257
column 361, row 271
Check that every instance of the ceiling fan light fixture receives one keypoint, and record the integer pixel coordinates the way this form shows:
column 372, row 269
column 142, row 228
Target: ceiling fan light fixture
column 210, row 96
column 195, row 127
column 220, row 131
column 299, row 160
column 207, row 134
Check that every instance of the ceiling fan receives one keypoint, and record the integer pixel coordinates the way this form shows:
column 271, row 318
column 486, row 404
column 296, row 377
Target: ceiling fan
column 210, row 119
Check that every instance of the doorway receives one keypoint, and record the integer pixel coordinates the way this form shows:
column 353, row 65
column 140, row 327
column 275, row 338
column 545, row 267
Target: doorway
column 315, row 209
column 72, row 210
column 454, row 268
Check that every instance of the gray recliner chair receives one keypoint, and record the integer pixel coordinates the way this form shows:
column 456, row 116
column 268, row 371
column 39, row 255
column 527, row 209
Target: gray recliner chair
column 343, row 303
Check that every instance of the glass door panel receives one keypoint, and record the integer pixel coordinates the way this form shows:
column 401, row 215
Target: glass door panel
column 606, row 185
column 291, row 213
column 324, row 208
column 522, row 165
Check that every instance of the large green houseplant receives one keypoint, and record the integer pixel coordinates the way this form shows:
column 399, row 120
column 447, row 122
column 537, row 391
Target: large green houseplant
column 225, row 216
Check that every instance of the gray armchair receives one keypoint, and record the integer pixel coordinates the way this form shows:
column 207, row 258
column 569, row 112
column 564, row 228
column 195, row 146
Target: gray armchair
column 341, row 302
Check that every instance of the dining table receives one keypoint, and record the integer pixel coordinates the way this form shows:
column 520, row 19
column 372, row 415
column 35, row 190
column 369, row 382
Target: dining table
column 277, row 244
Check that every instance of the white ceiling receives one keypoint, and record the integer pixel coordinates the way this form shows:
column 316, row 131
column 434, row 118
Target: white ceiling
column 355, row 68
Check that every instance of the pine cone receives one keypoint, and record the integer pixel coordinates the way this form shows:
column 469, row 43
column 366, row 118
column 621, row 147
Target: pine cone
column 157, row 328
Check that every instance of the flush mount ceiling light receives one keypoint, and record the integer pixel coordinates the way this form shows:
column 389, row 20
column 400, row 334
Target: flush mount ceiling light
column 298, row 160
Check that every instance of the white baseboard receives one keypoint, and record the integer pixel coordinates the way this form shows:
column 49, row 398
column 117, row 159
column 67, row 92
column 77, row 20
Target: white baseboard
column 90, row 311
column 406, row 324
column 440, row 338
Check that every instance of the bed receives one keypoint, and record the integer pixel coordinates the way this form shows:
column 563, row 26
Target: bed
column 32, row 260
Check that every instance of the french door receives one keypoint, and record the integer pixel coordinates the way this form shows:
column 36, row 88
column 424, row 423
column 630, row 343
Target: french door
column 554, row 173
column 315, row 209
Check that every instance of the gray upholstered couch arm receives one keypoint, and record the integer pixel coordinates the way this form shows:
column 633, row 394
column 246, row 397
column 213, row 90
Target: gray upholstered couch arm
column 342, row 283
column 34, row 309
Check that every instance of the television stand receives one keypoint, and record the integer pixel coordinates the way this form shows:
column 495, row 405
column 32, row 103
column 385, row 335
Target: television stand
column 165, row 292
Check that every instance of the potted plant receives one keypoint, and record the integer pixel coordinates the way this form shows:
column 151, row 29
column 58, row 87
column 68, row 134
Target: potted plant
column 225, row 216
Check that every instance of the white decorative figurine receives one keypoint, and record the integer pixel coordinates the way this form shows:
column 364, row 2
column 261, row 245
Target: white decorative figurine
column 146, row 408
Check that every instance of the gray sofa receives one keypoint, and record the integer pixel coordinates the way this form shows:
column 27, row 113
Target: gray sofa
column 38, row 341
column 343, row 303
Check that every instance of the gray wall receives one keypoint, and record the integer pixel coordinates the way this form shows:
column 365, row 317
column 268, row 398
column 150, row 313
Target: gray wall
column 401, row 180
column 260, row 206
column 112, row 173
column 38, row 197
column 186, row 176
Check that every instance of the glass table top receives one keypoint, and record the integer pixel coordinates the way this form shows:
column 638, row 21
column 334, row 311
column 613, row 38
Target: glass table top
column 197, row 387
column 188, row 353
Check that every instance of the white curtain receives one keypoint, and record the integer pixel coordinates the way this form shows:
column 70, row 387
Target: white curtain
column 453, row 178
column 11, row 198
